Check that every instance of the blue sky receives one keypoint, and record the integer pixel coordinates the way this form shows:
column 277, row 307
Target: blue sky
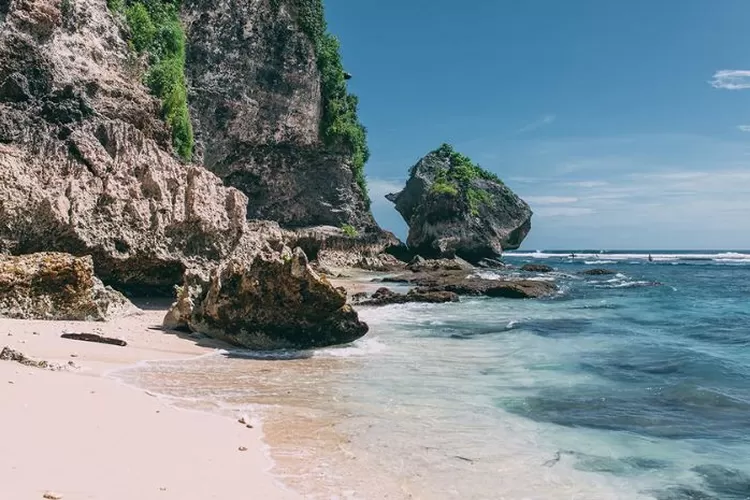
column 624, row 124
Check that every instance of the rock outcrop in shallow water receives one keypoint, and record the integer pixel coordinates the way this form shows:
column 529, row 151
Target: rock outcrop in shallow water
column 465, row 283
column 455, row 208
column 273, row 300
column 385, row 296
column 598, row 272
column 56, row 286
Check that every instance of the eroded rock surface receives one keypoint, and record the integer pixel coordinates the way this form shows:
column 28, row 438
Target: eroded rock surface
column 266, row 297
column 465, row 283
column 385, row 296
column 330, row 247
column 56, row 286
column 86, row 161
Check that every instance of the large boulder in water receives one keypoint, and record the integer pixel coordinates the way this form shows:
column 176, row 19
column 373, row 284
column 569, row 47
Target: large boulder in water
column 56, row 286
column 266, row 298
column 455, row 208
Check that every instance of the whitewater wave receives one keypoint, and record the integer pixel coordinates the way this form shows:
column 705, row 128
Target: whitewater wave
column 362, row 347
column 605, row 258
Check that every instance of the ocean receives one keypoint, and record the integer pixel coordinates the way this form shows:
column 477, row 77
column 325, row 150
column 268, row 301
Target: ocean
column 624, row 386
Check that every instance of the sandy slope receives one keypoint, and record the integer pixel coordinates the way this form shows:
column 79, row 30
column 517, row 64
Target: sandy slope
column 82, row 435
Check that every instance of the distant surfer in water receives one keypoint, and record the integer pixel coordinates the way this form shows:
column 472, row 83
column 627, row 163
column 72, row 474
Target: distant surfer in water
column 572, row 256
column 650, row 259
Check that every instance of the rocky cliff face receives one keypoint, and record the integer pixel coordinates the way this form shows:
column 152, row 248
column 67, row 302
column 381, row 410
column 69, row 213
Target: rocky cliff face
column 454, row 208
column 86, row 162
column 88, row 167
column 256, row 103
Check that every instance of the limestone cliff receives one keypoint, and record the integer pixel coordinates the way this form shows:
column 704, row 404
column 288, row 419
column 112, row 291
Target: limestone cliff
column 89, row 163
column 455, row 208
column 94, row 164
column 86, row 160
column 265, row 81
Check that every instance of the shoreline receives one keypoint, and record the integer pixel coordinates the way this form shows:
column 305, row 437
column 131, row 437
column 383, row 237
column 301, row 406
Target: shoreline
column 81, row 433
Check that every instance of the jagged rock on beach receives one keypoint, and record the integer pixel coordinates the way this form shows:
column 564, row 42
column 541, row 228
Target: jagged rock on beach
column 57, row 286
column 8, row 354
column 273, row 300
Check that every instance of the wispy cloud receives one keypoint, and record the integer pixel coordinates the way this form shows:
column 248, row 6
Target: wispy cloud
column 378, row 188
column 586, row 184
column 551, row 200
column 744, row 128
column 550, row 211
column 731, row 79
column 541, row 122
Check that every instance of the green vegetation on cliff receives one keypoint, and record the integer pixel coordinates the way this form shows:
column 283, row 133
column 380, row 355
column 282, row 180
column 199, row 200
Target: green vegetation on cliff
column 156, row 30
column 340, row 124
column 349, row 230
column 457, row 178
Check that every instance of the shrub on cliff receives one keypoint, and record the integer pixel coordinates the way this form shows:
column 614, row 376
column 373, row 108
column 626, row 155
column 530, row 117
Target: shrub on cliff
column 156, row 29
column 340, row 125
column 457, row 178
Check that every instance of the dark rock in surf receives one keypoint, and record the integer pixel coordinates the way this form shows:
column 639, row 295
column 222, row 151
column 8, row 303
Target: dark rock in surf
column 464, row 283
column 537, row 268
column 598, row 272
column 385, row 296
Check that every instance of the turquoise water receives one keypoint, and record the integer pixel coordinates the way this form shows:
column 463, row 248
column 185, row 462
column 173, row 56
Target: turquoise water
column 633, row 385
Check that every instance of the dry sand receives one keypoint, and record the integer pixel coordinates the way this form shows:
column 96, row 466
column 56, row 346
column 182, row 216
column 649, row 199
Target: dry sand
column 81, row 435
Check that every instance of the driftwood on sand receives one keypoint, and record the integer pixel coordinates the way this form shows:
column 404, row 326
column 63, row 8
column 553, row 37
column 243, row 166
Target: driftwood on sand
column 93, row 337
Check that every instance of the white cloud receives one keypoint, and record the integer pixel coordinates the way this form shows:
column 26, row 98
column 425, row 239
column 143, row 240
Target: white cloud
column 378, row 188
column 526, row 180
column 562, row 211
column 550, row 200
column 744, row 128
column 545, row 120
column 731, row 79
column 586, row 184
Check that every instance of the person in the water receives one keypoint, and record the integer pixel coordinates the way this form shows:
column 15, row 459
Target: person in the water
column 572, row 256
column 650, row 259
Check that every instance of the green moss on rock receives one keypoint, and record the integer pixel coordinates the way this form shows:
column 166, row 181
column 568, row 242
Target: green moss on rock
column 340, row 126
column 156, row 30
column 457, row 179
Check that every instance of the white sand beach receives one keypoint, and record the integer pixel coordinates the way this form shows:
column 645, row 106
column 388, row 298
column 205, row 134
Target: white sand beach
column 77, row 434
